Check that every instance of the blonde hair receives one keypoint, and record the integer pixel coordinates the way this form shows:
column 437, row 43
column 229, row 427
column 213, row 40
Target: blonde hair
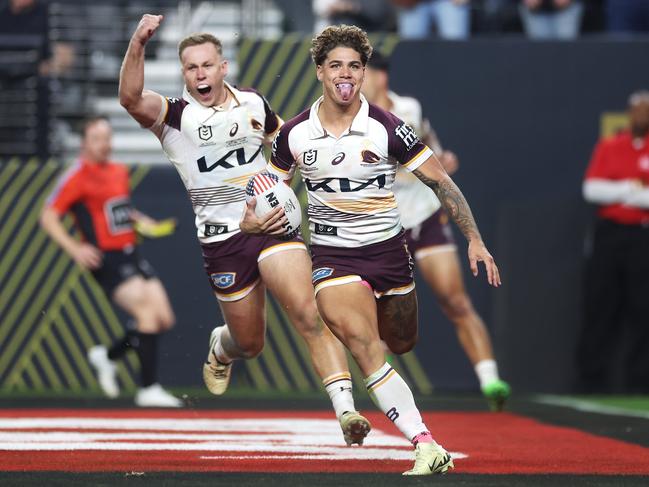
column 340, row 35
column 196, row 40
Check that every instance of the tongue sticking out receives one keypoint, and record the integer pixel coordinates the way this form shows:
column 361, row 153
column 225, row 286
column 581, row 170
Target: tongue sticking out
column 345, row 90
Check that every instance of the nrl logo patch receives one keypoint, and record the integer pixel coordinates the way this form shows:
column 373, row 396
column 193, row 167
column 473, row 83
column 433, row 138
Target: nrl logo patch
column 223, row 280
column 310, row 157
column 204, row 132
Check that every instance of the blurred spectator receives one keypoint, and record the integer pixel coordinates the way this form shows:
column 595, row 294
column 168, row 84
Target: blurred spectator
column 450, row 18
column 369, row 15
column 28, row 18
column 616, row 288
column 551, row 19
column 627, row 16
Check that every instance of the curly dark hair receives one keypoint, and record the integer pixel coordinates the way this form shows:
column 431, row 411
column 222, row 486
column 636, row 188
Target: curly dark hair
column 340, row 35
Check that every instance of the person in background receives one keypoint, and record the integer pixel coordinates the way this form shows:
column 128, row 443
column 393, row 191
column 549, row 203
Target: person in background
column 551, row 19
column 370, row 15
column 96, row 191
column 430, row 237
column 450, row 19
column 616, row 284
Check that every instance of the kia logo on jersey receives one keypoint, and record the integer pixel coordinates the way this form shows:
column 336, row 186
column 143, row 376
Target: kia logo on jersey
column 310, row 157
column 234, row 129
column 369, row 156
column 340, row 157
column 204, row 132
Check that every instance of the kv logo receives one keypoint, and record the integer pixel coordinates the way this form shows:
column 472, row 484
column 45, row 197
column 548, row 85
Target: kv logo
column 392, row 414
column 223, row 161
column 344, row 184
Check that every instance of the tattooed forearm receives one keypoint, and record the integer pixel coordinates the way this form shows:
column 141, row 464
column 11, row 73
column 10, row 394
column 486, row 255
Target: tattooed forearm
column 453, row 202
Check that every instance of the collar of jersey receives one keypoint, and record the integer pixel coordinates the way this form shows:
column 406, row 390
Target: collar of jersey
column 193, row 101
column 359, row 124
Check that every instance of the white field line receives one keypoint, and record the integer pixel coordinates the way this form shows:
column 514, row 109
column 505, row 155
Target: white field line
column 278, row 438
column 589, row 406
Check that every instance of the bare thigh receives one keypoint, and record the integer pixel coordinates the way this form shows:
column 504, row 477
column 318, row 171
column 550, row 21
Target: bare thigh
column 287, row 275
column 443, row 273
column 350, row 312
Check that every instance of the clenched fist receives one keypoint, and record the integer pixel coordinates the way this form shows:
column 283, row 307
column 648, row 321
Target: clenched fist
column 147, row 27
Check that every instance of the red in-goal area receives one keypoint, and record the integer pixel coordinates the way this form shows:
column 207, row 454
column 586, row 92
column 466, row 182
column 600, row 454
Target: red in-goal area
column 295, row 441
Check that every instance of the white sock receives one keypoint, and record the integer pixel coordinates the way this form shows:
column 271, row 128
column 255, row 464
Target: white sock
column 221, row 355
column 392, row 395
column 339, row 388
column 487, row 371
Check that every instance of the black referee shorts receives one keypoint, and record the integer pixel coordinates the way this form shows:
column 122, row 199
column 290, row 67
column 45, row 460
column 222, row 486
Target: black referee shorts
column 120, row 265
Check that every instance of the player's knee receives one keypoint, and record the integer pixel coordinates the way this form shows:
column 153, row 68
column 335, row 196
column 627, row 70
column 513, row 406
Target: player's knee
column 358, row 342
column 456, row 305
column 305, row 319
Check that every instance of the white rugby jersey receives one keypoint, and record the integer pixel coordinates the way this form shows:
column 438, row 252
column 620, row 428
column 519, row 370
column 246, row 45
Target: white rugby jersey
column 415, row 200
column 216, row 151
column 348, row 179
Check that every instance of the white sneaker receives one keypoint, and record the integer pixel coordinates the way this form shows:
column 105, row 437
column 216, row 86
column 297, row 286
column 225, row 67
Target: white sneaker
column 430, row 458
column 216, row 375
column 154, row 396
column 106, row 370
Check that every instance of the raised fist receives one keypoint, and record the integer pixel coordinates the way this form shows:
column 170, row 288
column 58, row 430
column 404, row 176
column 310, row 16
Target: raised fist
column 147, row 27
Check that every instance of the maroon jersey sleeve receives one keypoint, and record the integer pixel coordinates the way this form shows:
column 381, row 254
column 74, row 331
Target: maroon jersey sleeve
column 175, row 107
column 281, row 157
column 403, row 143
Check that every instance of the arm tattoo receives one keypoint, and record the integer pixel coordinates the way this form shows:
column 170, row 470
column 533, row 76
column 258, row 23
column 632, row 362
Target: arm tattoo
column 453, row 202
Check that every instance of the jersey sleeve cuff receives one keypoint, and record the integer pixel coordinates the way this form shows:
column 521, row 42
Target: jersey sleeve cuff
column 161, row 116
column 280, row 173
column 418, row 159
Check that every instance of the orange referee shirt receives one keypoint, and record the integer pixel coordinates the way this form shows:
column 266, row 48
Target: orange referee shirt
column 98, row 194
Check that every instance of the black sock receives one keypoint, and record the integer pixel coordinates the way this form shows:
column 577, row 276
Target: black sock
column 147, row 352
column 119, row 348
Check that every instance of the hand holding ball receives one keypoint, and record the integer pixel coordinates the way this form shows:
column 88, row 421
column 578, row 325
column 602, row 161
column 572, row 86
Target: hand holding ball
column 270, row 193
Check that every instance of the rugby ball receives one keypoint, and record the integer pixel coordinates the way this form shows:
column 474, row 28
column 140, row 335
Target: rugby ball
column 271, row 192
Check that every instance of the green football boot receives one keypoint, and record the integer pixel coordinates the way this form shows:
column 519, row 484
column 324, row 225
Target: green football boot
column 497, row 393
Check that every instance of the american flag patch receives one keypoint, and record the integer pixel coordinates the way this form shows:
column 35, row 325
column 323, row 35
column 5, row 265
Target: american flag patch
column 260, row 183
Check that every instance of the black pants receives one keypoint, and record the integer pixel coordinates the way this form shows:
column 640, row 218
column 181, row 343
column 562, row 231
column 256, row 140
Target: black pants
column 616, row 294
